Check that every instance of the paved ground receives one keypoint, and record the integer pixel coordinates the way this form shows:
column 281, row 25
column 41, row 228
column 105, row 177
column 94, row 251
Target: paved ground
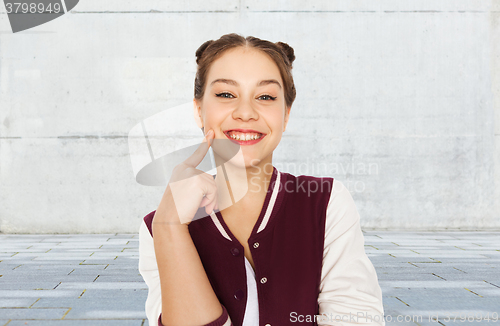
column 427, row 278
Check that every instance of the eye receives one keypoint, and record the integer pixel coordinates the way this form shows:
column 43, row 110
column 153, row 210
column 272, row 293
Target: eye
column 267, row 97
column 224, row 95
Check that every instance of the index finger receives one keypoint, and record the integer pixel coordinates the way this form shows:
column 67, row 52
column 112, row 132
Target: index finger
column 195, row 159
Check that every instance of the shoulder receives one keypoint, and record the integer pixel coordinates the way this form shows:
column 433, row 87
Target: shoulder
column 341, row 212
column 340, row 193
column 306, row 184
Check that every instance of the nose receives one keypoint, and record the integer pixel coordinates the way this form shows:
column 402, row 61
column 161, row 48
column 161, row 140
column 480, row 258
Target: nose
column 245, row 111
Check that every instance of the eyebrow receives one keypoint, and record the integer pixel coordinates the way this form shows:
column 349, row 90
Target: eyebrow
column 233, row 82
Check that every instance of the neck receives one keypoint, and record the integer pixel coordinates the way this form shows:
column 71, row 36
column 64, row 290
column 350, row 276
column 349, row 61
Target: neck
column 239, row 186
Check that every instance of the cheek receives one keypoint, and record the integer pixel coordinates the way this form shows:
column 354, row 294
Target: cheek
column 279, row 120
column 213, row 116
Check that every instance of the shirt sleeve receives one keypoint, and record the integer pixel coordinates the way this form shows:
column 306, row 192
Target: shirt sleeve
column 149, row 271
column 349, row 289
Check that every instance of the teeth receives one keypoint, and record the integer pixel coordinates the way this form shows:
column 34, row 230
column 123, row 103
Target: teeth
column 244, row 136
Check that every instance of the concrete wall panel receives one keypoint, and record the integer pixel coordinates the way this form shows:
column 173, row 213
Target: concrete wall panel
column 398, row 100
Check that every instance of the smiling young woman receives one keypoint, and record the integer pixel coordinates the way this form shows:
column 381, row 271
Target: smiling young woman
column 289, row 249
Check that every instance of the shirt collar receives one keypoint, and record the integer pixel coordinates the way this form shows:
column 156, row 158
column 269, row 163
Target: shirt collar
column 272, row 200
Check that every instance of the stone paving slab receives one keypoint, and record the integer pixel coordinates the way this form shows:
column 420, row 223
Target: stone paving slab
column 33, row 313
column 427, row 278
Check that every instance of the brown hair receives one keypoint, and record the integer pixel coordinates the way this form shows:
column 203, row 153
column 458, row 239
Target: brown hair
column 281, row 53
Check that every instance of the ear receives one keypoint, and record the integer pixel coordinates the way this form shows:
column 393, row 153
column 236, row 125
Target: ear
column 197, row 113
column 287, row 116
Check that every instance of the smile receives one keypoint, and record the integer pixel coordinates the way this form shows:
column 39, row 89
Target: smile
column 244, row 136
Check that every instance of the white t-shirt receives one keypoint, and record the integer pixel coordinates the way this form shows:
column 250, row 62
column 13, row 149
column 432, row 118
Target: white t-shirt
column 251, row 317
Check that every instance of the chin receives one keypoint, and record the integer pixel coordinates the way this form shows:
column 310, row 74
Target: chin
column 240, row 156
column 245, row 164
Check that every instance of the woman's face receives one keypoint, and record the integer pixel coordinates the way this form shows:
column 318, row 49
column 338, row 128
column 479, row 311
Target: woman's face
column 244, row 91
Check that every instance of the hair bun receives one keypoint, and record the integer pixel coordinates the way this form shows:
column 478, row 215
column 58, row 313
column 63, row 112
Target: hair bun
column 288, row 51
column 201, row 49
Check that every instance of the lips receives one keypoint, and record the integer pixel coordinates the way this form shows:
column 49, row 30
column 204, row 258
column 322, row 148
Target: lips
column 244, row 136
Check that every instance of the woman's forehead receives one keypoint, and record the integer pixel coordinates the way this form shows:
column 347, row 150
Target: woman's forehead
column 244, row 65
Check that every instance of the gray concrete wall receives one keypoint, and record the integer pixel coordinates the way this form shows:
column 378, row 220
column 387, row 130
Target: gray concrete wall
column 399, row 100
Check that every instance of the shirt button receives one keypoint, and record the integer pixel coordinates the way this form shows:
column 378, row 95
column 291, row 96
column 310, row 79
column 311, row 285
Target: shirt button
column 256, row 245
column 263, row 280
column 268, row 324
column 235, row 252
column 238, row 295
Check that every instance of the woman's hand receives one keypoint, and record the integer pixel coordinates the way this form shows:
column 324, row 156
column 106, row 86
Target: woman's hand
column 188, row 189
